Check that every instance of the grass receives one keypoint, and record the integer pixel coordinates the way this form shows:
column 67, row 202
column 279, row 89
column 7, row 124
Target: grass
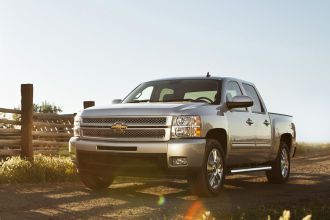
column 306, row 209
column 316, row 208
column 304, row 147
column 301, row 210
column 42, row 169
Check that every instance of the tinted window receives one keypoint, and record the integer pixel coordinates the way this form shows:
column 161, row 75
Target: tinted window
column 257, row 106
column 189, row 90
column 232, row 90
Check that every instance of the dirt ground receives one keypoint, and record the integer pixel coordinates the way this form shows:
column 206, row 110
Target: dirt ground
column 164, row 199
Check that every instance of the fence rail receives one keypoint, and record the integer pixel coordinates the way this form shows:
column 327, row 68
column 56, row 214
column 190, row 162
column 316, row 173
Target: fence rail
column 33, row 132
column 52, row 116
column 7, row 110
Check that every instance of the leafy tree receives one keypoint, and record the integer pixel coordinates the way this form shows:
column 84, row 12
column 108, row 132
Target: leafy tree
column 46, row 107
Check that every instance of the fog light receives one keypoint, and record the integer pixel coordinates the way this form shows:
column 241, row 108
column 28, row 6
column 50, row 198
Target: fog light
column 179, row 161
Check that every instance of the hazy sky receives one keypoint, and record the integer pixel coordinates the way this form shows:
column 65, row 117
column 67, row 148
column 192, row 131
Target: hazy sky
column 100, row 50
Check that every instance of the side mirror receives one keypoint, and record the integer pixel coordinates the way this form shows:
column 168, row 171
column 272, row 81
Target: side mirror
column 116, row 101
column 241, row 101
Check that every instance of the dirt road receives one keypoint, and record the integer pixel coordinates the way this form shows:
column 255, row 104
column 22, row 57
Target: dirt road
column 156, row 199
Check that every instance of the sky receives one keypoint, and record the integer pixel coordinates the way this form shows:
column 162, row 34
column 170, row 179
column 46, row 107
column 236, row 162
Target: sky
column 100, row 50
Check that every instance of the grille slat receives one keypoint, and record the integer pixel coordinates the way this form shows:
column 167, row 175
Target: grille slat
column 127, row 120
column 133, row 133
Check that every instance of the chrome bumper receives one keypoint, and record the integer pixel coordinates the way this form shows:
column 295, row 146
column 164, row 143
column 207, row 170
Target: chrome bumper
column 192, row 149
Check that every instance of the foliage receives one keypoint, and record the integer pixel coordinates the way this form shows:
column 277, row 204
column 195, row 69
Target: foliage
column 42, row 169
column 46, row 107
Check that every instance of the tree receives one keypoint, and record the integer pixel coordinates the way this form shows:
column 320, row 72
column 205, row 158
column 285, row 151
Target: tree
column 46, row 107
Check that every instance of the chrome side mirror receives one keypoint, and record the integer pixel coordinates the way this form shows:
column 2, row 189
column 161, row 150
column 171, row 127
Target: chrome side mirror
column 241, row 101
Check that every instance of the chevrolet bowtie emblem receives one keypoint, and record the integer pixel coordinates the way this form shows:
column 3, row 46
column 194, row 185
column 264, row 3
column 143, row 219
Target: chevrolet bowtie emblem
column 119, row 127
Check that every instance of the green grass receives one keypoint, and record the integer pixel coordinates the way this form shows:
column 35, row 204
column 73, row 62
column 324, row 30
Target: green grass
column 42, row 169
column 64, row 151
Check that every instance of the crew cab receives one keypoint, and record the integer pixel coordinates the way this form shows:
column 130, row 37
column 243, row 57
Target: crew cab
column 198, row 128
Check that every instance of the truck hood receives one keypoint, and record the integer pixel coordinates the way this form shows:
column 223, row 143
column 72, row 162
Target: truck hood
column 142, row 109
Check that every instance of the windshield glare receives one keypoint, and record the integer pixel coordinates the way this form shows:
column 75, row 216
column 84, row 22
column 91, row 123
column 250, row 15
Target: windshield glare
column 176, row 91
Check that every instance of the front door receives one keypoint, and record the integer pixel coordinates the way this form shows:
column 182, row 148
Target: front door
column 241, row 130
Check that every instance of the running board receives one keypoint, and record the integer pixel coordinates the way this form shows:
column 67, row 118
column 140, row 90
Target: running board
column 246, row 170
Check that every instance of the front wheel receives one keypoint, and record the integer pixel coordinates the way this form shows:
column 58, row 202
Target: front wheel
column 209, row 180
column 280, row 171
column 96, row 182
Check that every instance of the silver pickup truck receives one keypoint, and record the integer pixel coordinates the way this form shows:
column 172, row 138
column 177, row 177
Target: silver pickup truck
column 199, row 128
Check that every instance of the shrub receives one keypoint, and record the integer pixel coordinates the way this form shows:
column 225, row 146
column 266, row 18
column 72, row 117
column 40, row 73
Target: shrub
column 42, row 169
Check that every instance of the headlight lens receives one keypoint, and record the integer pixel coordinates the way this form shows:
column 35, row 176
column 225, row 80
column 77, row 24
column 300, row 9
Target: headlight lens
column 186, row 126
column 76, row 128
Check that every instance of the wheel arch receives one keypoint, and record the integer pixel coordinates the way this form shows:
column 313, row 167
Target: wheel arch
column 220, row 135
column 287, row 138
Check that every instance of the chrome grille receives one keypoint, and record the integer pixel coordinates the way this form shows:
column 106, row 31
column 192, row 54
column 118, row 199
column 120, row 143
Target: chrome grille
column 129, row 133
column 135, row 128
column 127, row 120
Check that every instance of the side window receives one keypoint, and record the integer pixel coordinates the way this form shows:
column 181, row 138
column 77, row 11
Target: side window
column 232, row 90
column 257, row 106
column 145, row 94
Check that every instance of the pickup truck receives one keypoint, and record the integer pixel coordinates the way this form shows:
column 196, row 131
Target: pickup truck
column 198, row 128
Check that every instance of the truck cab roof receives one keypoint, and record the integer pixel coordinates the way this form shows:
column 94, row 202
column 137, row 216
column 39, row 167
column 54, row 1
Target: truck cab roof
column 204, row 78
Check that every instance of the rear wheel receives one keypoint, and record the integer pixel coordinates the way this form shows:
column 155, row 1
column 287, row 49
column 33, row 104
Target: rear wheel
column 96, row 182
column 280, row 167
column 209, row 180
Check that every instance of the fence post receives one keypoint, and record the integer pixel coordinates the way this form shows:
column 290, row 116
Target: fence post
column 88, row 104
column 27, row 121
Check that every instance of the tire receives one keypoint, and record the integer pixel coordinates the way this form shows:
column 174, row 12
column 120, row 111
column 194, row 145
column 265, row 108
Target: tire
column 210, row 179
column 280, row 172
column 95, row 182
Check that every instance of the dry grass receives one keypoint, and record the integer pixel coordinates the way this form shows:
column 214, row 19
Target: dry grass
column 42, row 169
column 304, row 147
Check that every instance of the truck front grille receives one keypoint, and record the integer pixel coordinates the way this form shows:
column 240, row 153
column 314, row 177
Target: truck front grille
column 129, row 133
column 136, row 128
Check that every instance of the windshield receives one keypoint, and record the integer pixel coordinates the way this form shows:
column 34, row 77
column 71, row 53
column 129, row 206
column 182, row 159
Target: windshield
column 192, row 90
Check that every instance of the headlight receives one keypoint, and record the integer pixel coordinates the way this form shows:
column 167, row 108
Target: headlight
column 186, row 126
column 76, row 128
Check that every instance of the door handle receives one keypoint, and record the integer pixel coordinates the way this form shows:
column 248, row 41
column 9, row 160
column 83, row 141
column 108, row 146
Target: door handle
column 249, row 121
column 266, row 122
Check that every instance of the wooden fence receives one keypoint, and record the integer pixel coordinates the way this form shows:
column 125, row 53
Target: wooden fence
column 32, row 132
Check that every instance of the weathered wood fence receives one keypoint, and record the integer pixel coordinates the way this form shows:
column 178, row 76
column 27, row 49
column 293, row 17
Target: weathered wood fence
column 32, row 132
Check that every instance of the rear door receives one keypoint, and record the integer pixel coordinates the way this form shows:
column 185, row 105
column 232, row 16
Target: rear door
column 262, row 124
column 240, row 131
